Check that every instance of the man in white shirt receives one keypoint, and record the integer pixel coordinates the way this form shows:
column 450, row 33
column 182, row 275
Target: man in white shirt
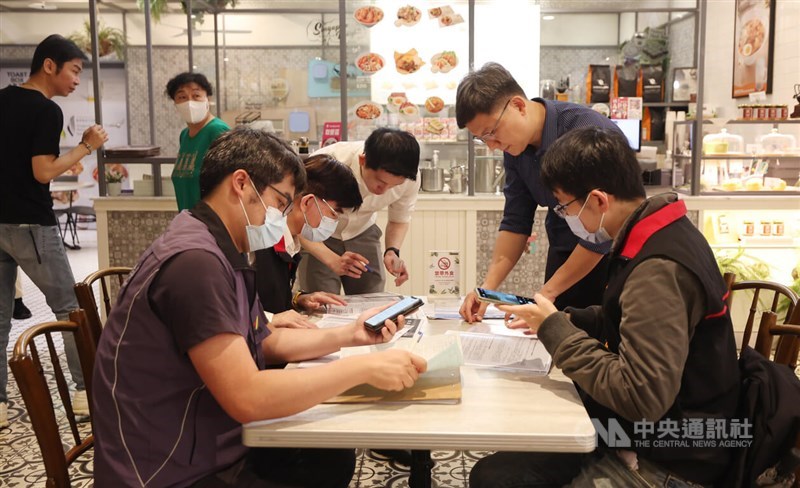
column 386, row 168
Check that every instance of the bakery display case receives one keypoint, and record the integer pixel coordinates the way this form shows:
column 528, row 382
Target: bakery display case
column 739, row 157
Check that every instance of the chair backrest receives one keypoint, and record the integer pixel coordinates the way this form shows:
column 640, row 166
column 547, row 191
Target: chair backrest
column 771, row 295
column 86, row 298
column 29, row 371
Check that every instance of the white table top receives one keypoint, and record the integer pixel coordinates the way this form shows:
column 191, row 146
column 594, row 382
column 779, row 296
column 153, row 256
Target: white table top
column 69, row 185
column 498, row 411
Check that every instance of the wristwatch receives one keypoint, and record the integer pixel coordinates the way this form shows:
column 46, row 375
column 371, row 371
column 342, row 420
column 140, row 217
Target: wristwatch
column 87, row 146
column 396, row 251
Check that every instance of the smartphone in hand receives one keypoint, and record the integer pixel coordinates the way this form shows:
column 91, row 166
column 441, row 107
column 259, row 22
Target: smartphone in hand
column 500, row 298
column 403, row 307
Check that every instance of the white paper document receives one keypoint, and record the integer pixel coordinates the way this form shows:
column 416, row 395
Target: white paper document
column 503, row 352
column 440, row 351
column 498, row 327
column 448, row 310
column 356, row 304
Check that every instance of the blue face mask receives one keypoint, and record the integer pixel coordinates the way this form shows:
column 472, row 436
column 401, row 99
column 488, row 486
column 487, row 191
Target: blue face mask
column 576, row 226
column 326, row 226
column 267, row 234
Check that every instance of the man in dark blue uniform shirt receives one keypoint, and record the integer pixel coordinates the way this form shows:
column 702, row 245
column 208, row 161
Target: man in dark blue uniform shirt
column 492, row 105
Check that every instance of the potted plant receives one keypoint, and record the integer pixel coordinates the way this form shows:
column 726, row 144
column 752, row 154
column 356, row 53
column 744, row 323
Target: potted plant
column 158, row 7
column 114, row 179
column 109, row 39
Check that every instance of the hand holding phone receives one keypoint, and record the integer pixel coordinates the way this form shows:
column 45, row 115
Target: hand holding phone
column 500, row 298
column 403, row 307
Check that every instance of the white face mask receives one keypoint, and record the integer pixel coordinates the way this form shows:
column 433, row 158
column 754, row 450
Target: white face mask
column 270, row 232
column 192, row 111
column 576, row 226
column 325, row 229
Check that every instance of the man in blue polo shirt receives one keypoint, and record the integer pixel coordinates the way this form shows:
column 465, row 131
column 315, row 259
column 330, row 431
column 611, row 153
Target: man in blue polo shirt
column 492, row 105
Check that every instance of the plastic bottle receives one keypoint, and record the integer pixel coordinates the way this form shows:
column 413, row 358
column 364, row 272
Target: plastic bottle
column 435, row 161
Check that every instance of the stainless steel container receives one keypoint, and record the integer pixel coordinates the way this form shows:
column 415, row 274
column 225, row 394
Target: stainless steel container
column 432, row 179
column 488, row 174
column 458, row 179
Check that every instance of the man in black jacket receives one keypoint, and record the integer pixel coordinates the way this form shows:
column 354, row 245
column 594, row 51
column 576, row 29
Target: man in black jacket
column 658, row 352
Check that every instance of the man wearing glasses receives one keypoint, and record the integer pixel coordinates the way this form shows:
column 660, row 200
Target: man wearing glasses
column 330, row 188
column 492, row 105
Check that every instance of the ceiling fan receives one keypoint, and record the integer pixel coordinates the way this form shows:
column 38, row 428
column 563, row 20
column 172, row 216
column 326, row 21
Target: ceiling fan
column 196, row 32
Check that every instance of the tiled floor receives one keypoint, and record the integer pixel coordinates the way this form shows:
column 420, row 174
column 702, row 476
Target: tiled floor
column 20, row 458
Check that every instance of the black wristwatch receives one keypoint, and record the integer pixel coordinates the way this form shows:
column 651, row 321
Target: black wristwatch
column 396, row 251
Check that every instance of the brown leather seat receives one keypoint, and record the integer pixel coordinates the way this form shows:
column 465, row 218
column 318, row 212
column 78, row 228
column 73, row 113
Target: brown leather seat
column 29, row 370
column 86, row 298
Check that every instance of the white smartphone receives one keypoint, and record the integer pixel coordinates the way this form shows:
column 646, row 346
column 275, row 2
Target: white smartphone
column 500, row 298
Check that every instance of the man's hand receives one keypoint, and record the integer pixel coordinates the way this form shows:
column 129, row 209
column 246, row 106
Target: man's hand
column 291, row 320
column 349, row 264
column 532, row 314
column 364, row 336
column 95, row 136
column 313, row 301
column 396, row 267
column 395, row 369
column 472, row 310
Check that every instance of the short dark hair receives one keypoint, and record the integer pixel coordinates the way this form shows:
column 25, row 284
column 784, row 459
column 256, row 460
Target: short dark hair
column 178, row 81
column 59, row 49
column 392, row 150
column 332, row 180
column 482, row 91
column 265, row 157
column 589, row 158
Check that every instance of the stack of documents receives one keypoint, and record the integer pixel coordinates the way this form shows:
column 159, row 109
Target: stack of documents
column 495, row 351
column 440, row 384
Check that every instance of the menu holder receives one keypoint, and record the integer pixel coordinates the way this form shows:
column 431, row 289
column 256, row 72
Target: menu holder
column 132, row 151
column 437, row 387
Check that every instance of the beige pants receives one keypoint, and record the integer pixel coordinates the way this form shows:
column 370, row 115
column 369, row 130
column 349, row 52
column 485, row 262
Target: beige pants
column 18, row 286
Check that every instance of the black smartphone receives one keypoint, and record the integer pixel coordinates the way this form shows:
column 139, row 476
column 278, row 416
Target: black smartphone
column 500, row 298
column 403, row 307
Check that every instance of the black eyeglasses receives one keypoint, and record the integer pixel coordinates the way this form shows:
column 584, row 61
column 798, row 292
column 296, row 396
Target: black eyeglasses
column 561, row 209
column 289, row 200
column 489, row 136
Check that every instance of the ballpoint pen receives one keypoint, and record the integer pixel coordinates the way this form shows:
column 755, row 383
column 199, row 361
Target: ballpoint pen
column 369, row 269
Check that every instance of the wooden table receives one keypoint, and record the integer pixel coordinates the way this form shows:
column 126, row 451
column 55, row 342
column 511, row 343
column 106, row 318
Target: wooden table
column 499, row 410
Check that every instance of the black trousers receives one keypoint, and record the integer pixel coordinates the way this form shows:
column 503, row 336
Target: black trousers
column 586, row 292
column 287, row 468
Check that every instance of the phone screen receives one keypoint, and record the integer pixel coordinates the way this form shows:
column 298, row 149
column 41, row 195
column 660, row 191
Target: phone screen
column 406, row 305
column 500, row 297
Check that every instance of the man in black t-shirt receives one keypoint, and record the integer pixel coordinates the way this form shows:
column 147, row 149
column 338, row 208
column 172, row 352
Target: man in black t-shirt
column 30, row 131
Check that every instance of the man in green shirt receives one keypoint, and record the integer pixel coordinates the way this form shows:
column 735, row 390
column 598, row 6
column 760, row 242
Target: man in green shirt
column 190, row 92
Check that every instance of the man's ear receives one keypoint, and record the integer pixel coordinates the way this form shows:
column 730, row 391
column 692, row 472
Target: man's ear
column 239, row 181
column 306, row 201
column 49, row 66
column 519, row 104
column 602, row 199
column 362, row 160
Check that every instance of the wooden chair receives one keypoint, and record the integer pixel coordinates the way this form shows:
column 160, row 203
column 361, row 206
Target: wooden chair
column 787, row 342
column 86, row 298
column 29, row 373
